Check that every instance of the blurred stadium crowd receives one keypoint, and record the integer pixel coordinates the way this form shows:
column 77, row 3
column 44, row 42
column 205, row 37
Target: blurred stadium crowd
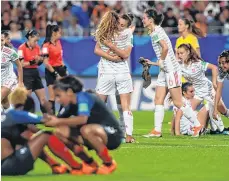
column 79, row 18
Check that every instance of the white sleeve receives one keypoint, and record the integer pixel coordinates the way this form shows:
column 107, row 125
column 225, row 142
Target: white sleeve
column 130, row 39
column 157, row 35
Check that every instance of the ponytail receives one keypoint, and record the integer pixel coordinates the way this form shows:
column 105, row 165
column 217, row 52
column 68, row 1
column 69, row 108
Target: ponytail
column 49, row 30
column 194, row 29
column 31, row 33
column 157, row 17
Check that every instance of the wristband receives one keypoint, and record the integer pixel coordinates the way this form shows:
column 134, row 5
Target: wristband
column 55, row 73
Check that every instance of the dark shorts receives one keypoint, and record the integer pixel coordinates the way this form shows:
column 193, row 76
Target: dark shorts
column 50, row 78
column 19, row 163
column 114, row 137
column 32, row 79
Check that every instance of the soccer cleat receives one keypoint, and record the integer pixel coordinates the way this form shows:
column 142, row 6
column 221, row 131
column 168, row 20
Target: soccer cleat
column 89, row 168
column 196, row 131
column 225, row 132
column 105, row 170
column 60, row 169
column 75, row 171
column 153, row 133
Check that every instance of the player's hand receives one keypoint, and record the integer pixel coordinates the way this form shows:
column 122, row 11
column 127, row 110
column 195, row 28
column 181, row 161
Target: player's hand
column 51, row 121
column 108, row 43
column 215, row 115
column 161, row 64
column 20, row 84
column 116, row 58
column 215, row 86
column 150, row 62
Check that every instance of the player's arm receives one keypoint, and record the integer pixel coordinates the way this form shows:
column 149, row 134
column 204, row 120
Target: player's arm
column 20, row 72
column 179, row 114
column 23, row 117
column 164, row 48
column 214, row 70
column 125, row 53
column 98, row 51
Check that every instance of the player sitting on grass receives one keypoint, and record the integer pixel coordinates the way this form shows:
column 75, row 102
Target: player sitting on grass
column 15, row 122
column 94, row 126
column 182, row 124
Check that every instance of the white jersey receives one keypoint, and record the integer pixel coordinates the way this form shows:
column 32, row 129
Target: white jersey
column 9, row 55
column 185, row 124
column 170, row 63
column 122, row 41
column 222, row 75
column 195, row 73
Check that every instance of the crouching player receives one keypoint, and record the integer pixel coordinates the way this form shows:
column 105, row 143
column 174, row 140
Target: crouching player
column 182, row 124
column 15, row 122
column 94, row 126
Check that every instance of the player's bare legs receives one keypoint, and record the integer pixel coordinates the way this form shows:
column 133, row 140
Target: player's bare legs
column 102, row 97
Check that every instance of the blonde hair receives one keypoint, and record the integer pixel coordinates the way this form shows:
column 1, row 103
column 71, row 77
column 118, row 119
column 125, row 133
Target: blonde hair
column 18, row 96
column 107, row 27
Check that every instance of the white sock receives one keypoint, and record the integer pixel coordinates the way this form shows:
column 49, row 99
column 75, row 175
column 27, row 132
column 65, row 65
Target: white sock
column 215, row 124
column 159, row 117
column 227, row 113
column 121, row 118
column 128, row 119
column 191, row 115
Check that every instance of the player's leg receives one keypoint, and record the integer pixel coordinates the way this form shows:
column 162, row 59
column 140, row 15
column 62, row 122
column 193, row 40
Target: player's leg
column 195, row 102
column 223, row 109
column 4, row 92
column 98, row 139
column 120, row 111
column 71, row 138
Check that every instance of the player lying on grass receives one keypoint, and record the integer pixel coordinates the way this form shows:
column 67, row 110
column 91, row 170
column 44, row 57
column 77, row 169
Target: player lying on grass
column 223, row 74
column 193, row 69
column 94, row 126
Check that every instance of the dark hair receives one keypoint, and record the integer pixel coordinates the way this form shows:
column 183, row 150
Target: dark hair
column 185, row 86
column 193, row 56
column 69, row 82
column 225, row 54
column 193, row 28
column 5, row 33
column 31, row 33
column 129, row 17
column 157, row 17
column 29, row 105
column 49, row 30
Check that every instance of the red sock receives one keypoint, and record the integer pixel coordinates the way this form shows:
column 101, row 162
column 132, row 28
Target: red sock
column 80, row 152
column 60, row 150
column 104, row 155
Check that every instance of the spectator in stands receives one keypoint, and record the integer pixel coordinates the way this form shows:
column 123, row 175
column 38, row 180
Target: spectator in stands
column 187, row 14
column 214, row 25
column 27, row 26
column 118, row 7
column 224, row 16
column 98, row 12
column 75, row 29
column 6, row 20
column 201, row 23
column 170, row 22
column 14, row 31
column 67, row 17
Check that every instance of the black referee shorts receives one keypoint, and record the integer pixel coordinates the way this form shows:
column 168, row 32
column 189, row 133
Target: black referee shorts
column 19, row 163
column 50, row 78
column 32, row 79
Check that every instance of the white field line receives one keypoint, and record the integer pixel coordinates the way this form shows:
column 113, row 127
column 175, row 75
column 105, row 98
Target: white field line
column 170, row 146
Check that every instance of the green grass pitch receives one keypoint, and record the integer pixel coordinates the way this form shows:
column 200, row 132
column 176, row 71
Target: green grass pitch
column 160, row 159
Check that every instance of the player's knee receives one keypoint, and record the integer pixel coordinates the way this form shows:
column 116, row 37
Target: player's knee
column 85, row 131
column 178, row 104
column 62, row 131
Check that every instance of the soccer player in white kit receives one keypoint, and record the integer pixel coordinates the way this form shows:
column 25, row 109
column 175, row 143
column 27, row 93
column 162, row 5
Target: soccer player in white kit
column 223, row 74
column 193, row 69
column 169, row 78
column 114, row 45
column 8, row 78
column 181, row 124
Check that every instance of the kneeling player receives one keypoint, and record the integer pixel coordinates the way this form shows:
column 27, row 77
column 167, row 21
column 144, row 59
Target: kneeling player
column 94, row 122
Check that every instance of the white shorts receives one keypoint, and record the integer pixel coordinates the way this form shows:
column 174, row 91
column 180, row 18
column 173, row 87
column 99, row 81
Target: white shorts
column 112, row 84
column 210, row 98
column 170, row 80
column 10, row 83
